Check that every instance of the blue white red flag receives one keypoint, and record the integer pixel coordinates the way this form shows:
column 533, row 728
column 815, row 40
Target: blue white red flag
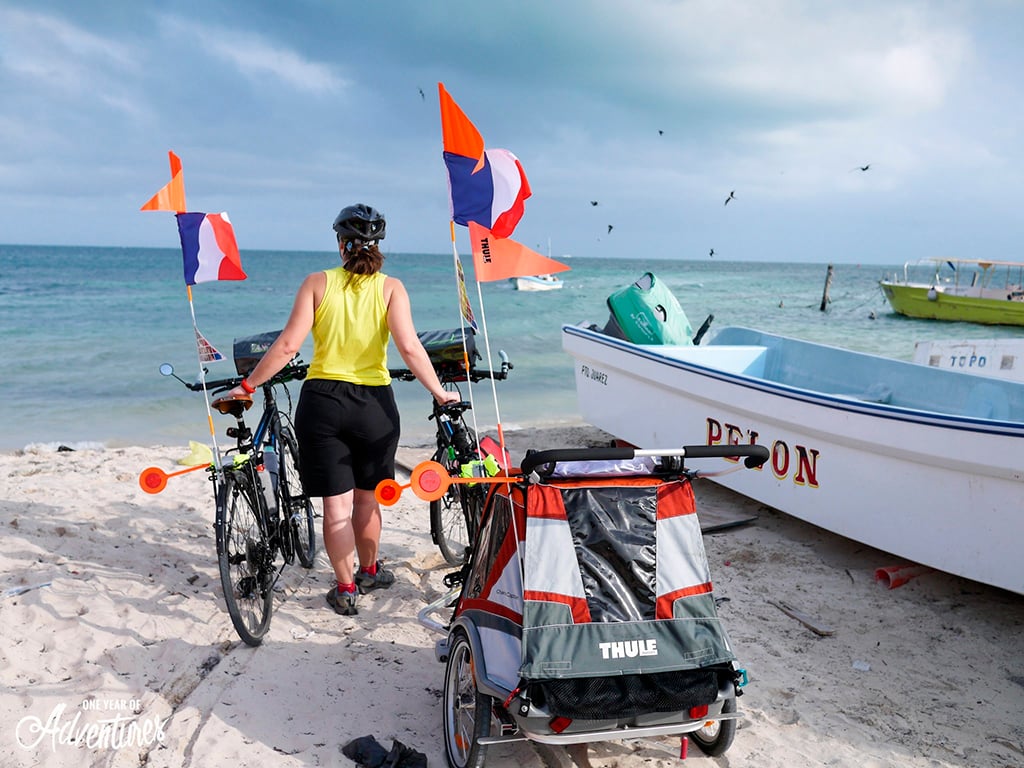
column 209, row 247
column 487, row 186
column 464, row 306
column 207, row 352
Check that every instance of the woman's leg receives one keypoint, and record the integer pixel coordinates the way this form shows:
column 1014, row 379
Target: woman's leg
column 339, row 537
column 366, row 525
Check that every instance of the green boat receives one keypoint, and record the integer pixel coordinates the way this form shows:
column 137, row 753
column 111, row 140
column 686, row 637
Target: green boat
column 960, row 290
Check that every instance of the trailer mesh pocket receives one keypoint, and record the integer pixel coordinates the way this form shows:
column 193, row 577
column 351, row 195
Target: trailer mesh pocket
column 593, row 698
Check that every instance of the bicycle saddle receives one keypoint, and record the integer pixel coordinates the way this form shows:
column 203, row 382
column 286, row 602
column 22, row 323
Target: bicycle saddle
column 234, row 406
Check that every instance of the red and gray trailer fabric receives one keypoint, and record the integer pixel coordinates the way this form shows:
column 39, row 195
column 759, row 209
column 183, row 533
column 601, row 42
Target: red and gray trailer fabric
column 590, row 578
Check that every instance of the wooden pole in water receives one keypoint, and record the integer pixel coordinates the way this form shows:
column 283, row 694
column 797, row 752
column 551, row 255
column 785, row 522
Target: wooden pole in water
column 828, row 284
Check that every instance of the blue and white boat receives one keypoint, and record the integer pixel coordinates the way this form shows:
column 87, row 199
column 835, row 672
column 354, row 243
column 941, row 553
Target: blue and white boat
column 921, row 462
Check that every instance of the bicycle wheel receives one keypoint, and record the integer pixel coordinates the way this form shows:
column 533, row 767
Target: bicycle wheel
column 716, row 736
column 467, row 712
column 293, row 502
column 245, row 558
column 448, row 526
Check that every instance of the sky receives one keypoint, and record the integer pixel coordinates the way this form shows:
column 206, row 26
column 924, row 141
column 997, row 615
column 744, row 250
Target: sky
column 657, row 110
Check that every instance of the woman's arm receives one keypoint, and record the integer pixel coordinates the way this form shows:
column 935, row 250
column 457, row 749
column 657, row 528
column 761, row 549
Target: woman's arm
column 290, row 340
column 408, row 343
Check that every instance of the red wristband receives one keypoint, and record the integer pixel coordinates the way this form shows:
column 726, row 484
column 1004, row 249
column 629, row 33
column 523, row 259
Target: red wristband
column 249, row 388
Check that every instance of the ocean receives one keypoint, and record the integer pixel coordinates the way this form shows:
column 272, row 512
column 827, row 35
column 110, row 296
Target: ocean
column 87, row 329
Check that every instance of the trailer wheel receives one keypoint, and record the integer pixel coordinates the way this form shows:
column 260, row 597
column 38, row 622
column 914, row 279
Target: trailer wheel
column 467, row 712
column 716, row 736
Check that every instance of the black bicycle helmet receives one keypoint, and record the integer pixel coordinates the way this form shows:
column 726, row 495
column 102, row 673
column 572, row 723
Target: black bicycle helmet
column 360, row 222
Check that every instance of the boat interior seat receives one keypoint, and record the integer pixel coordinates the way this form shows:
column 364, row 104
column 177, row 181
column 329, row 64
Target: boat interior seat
column 876, row 393
column 987, row 401
column 745, row 359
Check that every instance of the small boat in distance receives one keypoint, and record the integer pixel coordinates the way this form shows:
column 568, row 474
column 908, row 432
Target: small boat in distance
column 977, row 291
column 537, row 283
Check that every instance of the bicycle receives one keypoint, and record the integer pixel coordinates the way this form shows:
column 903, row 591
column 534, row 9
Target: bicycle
column 455, row 517
column 258, row 520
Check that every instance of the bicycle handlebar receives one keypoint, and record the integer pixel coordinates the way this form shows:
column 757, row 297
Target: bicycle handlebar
column 452, row 371
column 451, row 409
column 755, row 455
column 294, row 371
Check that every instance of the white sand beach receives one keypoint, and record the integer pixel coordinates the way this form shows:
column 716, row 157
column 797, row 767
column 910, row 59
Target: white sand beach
column 111, row 613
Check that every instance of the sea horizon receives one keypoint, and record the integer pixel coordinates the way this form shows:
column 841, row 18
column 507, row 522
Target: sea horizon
column 89, row 326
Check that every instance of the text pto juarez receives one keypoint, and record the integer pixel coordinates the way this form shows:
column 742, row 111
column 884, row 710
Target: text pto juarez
column 118, row 727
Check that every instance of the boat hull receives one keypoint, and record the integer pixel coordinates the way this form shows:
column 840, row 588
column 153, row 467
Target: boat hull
column 999, row 358
column 531, row 283
column 925, row 302
column 943, row 490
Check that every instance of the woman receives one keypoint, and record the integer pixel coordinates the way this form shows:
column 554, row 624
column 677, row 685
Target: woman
column 346, row 420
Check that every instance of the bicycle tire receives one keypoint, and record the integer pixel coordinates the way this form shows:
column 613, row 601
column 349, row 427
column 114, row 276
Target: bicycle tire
column 466, row 711
column 245, row 558
column 449, row 526
column 293, row 502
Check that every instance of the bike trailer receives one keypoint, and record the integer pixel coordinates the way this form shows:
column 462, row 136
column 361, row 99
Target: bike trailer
column 587, row 613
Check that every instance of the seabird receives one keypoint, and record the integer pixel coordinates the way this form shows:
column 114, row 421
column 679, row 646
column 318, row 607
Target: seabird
column 610, row 228
column 731, row 196
column 711, row 253
column 593, row 202
column 423, row 95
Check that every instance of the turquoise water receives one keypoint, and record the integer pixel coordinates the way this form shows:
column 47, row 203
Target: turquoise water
column 86, row 330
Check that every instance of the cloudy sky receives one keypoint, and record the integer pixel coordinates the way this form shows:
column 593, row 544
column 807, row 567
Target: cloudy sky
column 282, row 113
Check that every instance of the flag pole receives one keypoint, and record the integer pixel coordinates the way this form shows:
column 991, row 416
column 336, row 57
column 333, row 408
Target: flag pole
column 490, row 366
column 202, row 379
column 460, row 289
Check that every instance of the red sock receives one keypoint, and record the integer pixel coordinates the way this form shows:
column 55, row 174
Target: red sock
column 350, row 588
column 369, row 571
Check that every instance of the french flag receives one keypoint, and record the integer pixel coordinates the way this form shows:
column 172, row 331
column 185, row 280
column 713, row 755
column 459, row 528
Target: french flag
column 487, row 186
column 209, row 247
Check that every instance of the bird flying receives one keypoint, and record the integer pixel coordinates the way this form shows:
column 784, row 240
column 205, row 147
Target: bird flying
column 610, row 228
column 861, row 167
column 732, row 196
column 593, row 202
column 711, row 253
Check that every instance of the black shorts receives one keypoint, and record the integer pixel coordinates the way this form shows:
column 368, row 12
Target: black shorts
column 348, row 435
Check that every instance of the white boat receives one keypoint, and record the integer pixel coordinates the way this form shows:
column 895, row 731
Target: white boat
column 924, row 463
column 1000, row 358
column 537, row 283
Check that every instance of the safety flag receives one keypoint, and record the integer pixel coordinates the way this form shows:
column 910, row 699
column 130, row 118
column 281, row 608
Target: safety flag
column 209, row 247
column 464, row 306
column 172, row 196
column 498, row 258
column 487, row 186
column 207, row 352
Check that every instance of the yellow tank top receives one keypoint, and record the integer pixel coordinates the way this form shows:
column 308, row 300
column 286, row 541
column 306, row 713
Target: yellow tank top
column 350, row 330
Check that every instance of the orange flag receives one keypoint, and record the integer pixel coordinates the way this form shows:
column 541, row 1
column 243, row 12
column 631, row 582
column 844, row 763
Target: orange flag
column 458, row 134
column 498, row 258
column 172, row 196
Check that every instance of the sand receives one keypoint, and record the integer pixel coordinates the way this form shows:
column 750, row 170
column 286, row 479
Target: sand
column 111, row 613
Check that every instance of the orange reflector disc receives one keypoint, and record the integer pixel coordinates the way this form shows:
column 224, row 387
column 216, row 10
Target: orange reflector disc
column 152, row 480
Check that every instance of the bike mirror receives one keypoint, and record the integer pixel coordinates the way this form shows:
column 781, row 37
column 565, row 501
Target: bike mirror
column 166, row 369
